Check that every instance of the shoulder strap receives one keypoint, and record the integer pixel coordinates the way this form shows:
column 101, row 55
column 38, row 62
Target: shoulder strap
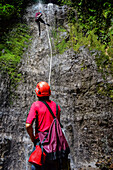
column 50, row 109
column 56, row 109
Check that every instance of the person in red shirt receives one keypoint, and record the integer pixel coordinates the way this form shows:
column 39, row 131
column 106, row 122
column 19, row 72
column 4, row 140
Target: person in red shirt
column 42, row 117
column 38, row 19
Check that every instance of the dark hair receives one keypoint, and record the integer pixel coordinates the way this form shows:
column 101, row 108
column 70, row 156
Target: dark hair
column 43, row 98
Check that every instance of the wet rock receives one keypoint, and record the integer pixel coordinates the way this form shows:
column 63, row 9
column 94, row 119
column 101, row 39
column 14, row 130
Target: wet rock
column 86, row 115
column 4, row 150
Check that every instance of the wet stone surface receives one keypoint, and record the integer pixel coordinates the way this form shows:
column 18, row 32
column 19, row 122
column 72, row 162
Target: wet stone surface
column 86, row 115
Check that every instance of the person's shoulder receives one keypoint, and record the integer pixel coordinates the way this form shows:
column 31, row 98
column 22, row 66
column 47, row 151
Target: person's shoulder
column 52, row 102
column 55, row 103
column 36, row 103
column 38, row 13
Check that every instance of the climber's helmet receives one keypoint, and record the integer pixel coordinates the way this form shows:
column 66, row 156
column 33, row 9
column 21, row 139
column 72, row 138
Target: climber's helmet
column 43, row 89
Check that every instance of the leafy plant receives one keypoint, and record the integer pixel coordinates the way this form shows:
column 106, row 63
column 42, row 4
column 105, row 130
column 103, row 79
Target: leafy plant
column 77, row 38
column 11, row 12
column 12, row 49
column 95, row 14
column 93, row 28
column 60, row 39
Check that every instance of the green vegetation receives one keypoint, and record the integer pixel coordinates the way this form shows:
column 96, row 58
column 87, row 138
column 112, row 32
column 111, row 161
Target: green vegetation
column 95, row 14
column 11, row 12
column 104, row 59
column 11, row 50
column 59, row 40
column 92, row 16
column 14, row 39
column 91, row 26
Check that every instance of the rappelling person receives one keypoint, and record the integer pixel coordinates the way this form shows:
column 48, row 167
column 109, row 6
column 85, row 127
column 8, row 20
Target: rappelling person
column 38, row 19
column 48, row 138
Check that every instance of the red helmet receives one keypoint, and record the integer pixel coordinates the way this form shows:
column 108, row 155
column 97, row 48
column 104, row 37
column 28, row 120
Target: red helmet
column 43, row 89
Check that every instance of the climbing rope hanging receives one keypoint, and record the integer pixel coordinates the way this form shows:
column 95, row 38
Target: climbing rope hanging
column 51, row 56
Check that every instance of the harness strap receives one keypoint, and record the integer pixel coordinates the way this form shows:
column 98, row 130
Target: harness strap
column 43, row 148
column 51, row 110
column 56, row 109
column 36, row 125
column 55, row 125
column 41, row 143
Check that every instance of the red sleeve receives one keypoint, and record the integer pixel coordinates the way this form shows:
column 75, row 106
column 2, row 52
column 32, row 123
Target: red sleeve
column 32, row 114
column 35, row 15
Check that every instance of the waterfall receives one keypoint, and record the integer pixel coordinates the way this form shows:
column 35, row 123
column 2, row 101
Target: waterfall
column 50, row 9
column 40, row 7
column 85, row 113
column 48, row 14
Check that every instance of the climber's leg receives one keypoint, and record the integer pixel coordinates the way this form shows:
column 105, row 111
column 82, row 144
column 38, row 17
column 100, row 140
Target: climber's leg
column 41, row 20
column 39, row 28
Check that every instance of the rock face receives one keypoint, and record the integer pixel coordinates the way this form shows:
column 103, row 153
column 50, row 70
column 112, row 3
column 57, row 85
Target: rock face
column 86, row 115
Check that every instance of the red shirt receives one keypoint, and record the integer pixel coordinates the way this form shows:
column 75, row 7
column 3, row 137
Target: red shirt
column 44, row 116
column 38, row 13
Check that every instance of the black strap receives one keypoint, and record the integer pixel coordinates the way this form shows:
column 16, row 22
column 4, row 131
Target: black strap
column 55, row 127
column 47, row 133
column 43, row 149
column 50, row 109
column 56, row 109
column 36, row 124
column 50, row 112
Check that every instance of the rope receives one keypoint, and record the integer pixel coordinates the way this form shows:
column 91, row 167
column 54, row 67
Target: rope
column 51, row 56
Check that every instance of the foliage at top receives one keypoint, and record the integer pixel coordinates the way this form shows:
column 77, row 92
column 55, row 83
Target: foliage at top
column 90, row 26
column 94, row 14
column 14, row 40
column 12, row 47
column 10, row 12
column 8, row 8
